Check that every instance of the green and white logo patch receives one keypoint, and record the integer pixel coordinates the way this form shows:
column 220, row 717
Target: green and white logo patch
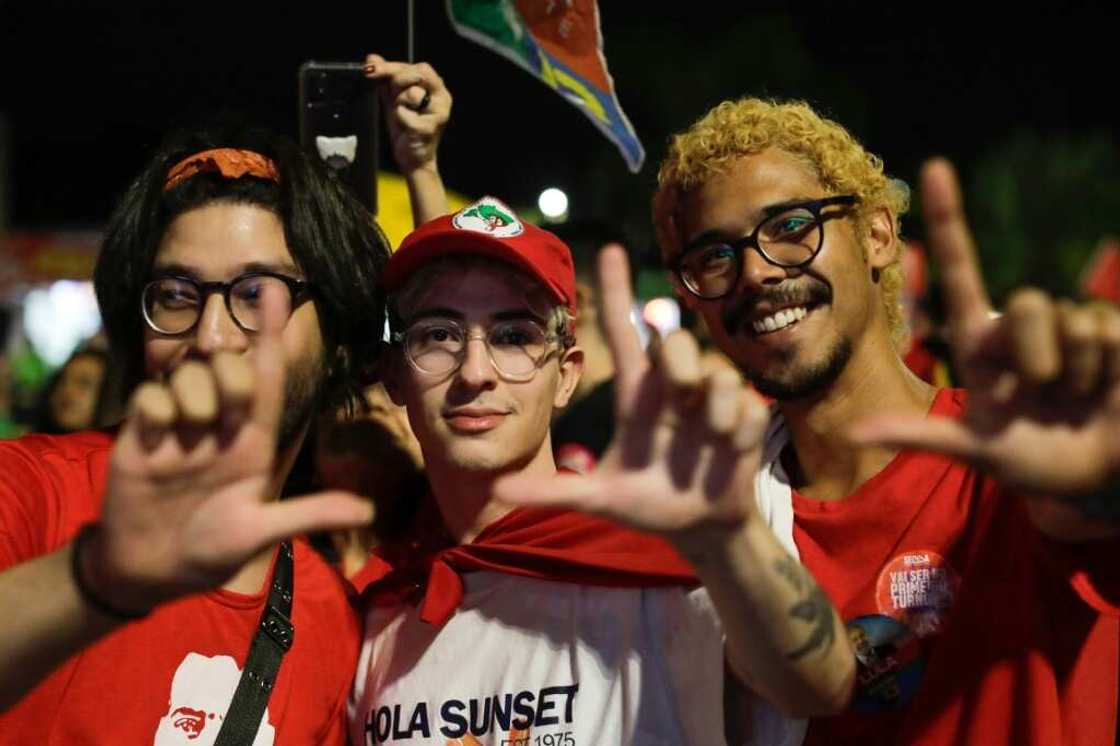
column 489, row 215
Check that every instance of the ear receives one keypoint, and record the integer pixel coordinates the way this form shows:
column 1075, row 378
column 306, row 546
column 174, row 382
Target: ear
column 391, row 369
column 571, row 369
column 882, row 243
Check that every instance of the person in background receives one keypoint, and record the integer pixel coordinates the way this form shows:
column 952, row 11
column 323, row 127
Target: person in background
column 927, row 354
column 9, row 428
column 583, row 429
column 72, row 399
column 371, row 450
column 372, row 453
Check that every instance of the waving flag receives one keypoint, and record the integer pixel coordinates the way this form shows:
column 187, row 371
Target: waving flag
column 559, row 42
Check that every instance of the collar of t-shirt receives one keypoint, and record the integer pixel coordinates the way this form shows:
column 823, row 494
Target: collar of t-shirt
column 562, row 546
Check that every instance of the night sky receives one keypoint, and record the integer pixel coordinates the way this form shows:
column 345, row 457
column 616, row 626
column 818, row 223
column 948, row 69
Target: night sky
column 89, row 88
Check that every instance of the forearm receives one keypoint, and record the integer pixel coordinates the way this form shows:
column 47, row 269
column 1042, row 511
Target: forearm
column 783, row 637
column 45, row 622
column 426, row 193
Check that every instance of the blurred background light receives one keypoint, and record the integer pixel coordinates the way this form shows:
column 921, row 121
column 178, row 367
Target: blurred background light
column 553, row 204
column 59, row 317
column 663, row 314
column 640, row 325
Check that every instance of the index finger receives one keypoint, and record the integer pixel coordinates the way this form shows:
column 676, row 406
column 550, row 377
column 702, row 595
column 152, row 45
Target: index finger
column 618, row 301
column 950, row 241
column 268, row 358
column 401, row 74
column 373, row 62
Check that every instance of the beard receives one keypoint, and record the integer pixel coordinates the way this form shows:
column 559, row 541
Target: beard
column 303, row 394
column 806, row 381
column 790, row 382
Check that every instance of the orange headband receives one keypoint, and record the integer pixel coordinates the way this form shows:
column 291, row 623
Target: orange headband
column 229, row 162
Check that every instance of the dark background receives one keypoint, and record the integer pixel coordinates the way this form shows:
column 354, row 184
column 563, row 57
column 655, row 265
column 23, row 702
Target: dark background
column 1024, row 101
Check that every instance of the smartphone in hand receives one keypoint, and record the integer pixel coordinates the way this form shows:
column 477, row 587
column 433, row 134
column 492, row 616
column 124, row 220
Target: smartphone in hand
column 338, row 123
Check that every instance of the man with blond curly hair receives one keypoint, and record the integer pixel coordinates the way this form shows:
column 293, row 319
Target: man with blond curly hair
column 947, row 526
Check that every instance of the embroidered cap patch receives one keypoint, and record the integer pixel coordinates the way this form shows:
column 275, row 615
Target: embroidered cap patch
column 489, row 215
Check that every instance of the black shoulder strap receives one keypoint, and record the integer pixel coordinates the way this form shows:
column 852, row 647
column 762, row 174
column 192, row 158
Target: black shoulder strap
column 273, row 638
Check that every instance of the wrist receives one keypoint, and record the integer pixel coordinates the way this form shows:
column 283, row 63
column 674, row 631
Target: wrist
column 712, row 544
column 86, row 569
column 423, row 170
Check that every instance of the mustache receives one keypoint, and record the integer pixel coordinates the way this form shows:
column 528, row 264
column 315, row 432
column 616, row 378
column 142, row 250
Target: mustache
column 803, row 293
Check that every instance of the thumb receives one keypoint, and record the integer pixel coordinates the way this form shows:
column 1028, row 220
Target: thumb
column 937, row 434
column 570, row 491
column 324, row 511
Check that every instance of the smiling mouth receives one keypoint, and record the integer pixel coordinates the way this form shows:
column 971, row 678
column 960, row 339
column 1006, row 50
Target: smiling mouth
column 781, row 319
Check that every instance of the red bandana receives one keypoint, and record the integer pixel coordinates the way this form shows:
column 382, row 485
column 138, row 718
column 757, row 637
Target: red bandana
column 562, row 546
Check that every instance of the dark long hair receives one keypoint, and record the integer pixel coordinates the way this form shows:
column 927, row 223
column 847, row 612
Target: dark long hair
column 333, row 239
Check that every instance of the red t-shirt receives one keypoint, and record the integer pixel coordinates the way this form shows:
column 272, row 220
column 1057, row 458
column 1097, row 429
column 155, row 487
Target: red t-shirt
column 971, row 627
column 166, row 679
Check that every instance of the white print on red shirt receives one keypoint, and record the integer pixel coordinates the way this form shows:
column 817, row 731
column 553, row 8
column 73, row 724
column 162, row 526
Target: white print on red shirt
column 200, row 695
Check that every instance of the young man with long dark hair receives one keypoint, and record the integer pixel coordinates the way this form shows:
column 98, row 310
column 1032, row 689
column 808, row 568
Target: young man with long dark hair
column 238, row 286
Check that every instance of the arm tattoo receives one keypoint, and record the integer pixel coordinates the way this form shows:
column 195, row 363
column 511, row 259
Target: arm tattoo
column 812, row 607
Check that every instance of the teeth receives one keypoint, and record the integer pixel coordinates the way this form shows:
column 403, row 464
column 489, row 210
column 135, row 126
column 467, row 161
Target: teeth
column 779, row 320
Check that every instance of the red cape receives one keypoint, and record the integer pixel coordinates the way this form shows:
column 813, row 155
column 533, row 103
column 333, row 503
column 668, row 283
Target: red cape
column 561, row 546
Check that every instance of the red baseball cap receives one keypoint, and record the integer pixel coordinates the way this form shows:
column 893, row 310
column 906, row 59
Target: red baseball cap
column 488, row 228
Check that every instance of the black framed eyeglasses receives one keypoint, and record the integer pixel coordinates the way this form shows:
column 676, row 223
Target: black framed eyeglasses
column 173, row 304
column 517, row 347
column 790, row 236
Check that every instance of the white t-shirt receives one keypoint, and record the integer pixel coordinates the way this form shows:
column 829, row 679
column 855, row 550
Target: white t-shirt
column 526, row 662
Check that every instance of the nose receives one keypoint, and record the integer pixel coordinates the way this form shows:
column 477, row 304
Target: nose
column 757, row 272
column 216, row 330
column 477, row 369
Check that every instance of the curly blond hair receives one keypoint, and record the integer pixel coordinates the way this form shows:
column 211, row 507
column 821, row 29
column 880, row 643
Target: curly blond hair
column 734, row 129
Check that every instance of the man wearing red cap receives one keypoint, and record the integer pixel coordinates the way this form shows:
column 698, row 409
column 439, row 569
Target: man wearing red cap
column 497, row 622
